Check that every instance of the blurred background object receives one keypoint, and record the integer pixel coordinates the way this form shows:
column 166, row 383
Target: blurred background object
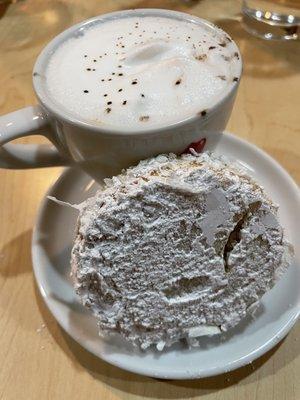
column 23, row 20
column 272, row 19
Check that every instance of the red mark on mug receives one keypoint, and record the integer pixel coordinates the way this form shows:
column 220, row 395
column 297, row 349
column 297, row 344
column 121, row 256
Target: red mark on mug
column 197, row 146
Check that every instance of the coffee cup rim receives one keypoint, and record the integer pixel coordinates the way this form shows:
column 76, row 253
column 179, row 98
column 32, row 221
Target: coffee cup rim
column 51, row 107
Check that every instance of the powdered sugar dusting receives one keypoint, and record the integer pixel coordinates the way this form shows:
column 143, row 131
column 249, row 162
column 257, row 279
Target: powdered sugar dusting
column 177, row 247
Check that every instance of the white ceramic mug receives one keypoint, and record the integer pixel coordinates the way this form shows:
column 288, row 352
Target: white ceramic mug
column 102, row 152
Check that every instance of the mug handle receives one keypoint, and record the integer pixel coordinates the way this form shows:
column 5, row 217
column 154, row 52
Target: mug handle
column 25, row 122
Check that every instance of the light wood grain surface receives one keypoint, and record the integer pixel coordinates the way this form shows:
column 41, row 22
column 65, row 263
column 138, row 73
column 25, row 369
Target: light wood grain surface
column 38, row 360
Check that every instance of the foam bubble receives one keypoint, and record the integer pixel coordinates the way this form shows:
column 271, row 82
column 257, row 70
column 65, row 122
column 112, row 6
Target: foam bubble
column 142, row 72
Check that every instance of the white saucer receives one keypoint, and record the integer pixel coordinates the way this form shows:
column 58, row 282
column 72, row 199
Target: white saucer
column 52, row 241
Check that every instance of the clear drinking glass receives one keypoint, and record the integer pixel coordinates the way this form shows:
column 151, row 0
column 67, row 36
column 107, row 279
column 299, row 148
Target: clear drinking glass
column 272, row 19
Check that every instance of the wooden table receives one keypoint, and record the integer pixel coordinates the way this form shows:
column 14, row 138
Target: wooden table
column 38, row 360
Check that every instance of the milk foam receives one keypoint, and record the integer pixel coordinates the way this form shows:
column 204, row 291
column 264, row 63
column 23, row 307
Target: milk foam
column 142, row 72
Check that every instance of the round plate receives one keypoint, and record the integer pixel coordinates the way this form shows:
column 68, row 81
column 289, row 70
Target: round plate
column 52, row 242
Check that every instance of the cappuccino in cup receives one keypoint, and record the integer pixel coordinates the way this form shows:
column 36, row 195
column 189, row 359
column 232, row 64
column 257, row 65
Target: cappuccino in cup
column 123, row 87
